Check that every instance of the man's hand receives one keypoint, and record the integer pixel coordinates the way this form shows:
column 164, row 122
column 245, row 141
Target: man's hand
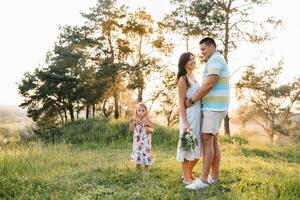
column 207, row 85
column 187, row 103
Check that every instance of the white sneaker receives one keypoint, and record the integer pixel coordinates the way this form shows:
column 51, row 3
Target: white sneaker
column 197, row 184
column 211, row 180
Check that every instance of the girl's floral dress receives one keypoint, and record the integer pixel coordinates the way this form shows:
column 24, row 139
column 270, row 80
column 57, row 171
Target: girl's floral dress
column 141, row 149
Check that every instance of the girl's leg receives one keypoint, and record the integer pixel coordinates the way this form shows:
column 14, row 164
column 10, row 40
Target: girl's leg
column 191, row 167
column 146, row 169
column 186, row 174
column 138, row 167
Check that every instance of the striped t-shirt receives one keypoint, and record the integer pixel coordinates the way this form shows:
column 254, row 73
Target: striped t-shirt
column 218, row 97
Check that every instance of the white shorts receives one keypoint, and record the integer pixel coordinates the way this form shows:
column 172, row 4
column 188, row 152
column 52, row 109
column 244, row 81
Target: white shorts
column 211, row 121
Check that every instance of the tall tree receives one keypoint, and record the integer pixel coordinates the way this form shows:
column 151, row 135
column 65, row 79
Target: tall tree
column 57, row 87
column 105, row 22
column 229, row 21
column 272, row 104
column 232, row 22
column 146, row 41
column 78, row 38
column 168, row 98
column 184, row 21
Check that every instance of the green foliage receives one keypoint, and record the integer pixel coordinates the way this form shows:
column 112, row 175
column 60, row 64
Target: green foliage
column 94, row 64
column 143, row 35
column 185, row 21
column 268, row 103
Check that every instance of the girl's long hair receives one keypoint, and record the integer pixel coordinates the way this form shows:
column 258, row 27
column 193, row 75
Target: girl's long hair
column 183, row 60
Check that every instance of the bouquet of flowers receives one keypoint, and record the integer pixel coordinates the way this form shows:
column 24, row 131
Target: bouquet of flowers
column 188, row 141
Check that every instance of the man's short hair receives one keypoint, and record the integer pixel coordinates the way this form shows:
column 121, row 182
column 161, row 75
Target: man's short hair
column 208, row 41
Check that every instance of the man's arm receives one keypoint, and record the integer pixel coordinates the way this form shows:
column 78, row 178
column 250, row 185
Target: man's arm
column 207, row 85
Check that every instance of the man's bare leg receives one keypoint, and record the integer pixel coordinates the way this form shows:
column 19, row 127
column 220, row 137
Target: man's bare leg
column 208, row 154
column 215, row 167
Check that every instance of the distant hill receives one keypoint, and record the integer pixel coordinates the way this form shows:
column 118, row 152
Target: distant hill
column 11, row 114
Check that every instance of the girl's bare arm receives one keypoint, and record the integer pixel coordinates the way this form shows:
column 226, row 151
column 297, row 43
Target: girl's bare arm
column 132, row 124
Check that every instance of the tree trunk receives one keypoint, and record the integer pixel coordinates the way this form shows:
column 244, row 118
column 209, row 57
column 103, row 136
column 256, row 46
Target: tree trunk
column 66, row 115
column 140, row 80
column 94, row 109
column 71, row 111
column 87, row 113
column 53, row 137
column 140, row 94
column 187, row 30
column 226, row 125
column 187, row 42
column 226, row 42
column 77, row 111
column 169, row 115
column 104, row 109
column 61, row 118
column 274, row 138
column 116, row 98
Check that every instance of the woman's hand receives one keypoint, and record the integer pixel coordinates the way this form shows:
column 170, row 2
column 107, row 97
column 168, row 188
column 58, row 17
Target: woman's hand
column 186, row 127
column 187, row 103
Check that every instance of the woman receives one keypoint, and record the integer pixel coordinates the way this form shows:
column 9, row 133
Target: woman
column 189, row 120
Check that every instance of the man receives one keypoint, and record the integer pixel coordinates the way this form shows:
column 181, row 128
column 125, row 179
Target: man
column 214, row 93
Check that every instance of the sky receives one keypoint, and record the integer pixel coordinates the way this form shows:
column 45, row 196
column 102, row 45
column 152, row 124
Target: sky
column 30, row 28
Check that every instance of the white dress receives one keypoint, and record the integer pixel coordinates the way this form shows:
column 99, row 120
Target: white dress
column 194, row 120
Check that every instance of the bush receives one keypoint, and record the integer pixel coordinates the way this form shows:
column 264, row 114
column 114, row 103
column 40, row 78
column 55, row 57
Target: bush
column 106, row 131
column 28, row 136
column 98, row 130
column 167, row 137
column 236, row 139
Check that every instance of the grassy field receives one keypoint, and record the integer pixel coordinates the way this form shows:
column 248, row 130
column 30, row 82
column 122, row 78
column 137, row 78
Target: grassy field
column 104, row 171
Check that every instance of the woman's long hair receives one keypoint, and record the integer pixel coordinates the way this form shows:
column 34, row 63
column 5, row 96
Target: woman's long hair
column 183, row 60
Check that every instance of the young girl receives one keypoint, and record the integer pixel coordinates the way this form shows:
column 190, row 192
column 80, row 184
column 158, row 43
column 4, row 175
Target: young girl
column 189, row 121
column 141, row 127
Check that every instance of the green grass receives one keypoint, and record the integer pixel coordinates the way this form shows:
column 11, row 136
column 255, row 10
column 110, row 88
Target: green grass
column 101, row 170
